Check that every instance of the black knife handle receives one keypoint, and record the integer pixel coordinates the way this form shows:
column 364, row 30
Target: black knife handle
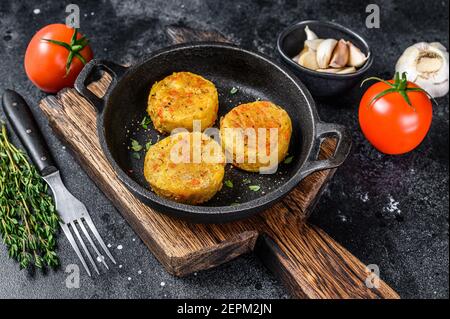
column 22, row 121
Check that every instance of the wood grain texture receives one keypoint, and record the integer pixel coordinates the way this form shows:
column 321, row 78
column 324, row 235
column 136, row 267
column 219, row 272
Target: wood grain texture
column 309, row 262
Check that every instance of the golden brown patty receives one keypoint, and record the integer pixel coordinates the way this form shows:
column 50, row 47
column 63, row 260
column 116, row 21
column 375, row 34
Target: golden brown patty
column 174, row 174
column 260, row 114
column 179, row 99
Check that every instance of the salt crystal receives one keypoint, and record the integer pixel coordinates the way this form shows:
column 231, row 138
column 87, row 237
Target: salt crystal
column 364, row 197
column 392, row 206
column 119, row 247
column 162, row 284
column 37, row 11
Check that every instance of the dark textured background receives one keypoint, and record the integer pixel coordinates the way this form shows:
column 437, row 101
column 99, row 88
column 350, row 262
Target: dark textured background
column 387, row 210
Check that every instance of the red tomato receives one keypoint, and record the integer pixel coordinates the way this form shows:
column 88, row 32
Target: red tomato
column 45, row 62
column 391, row 124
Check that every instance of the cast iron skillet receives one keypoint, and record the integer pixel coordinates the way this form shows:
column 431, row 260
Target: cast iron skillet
column 123, row 107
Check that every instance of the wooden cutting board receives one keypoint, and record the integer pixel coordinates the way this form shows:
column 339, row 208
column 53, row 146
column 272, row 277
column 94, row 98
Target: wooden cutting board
column 309, row 262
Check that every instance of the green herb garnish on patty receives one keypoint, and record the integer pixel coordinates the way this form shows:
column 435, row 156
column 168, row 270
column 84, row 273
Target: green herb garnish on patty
column 135, row 146
column 136, row 155
column 228, row 183
column 288, row 160
column 146, row 121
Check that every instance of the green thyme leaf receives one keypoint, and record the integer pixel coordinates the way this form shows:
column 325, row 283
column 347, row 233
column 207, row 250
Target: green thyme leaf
column 228, row 183
column 254, row 188
column 288, row 160
column 136, row 155
column 146, row 121
column 135, row 146
column 148, row 145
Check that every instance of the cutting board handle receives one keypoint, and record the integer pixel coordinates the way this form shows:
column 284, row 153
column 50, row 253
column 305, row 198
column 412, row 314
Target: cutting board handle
column 313, row 265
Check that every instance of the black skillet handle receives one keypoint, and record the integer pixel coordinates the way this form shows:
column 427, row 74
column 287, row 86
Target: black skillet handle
column 87, row 74
column 22, row 121
column 344, row 143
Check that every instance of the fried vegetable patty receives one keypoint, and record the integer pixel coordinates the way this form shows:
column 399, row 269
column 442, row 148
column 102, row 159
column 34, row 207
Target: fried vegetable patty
column 179, row 99
column 260, row 115
column 185, row 167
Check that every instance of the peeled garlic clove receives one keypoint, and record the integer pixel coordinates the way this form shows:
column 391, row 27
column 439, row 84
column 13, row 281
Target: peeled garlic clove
column 356, row 57
column 427, row 65
column 308, row 60
column 298, row 55
column 324, row 52
column 309, row 34
column 313, row 44
column 305, row 49
column 329, row 70
column 340, row 55
column 348, row 70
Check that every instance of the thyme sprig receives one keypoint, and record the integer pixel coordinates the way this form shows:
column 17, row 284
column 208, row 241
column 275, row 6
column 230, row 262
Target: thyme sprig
column 28, row 219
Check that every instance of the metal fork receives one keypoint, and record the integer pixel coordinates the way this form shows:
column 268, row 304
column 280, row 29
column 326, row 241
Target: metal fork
column 73, row 213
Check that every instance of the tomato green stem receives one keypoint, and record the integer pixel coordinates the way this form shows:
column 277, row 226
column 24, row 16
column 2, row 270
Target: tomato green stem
column 399, row 86
column 74, row 48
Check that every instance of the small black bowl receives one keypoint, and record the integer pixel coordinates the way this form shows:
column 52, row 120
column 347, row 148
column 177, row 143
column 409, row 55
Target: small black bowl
column 290, row 43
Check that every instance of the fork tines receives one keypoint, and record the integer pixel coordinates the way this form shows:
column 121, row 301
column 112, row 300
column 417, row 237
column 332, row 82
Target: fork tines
column 73, row 225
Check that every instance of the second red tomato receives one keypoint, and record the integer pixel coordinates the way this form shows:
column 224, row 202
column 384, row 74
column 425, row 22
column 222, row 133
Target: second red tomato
column 392, row 122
